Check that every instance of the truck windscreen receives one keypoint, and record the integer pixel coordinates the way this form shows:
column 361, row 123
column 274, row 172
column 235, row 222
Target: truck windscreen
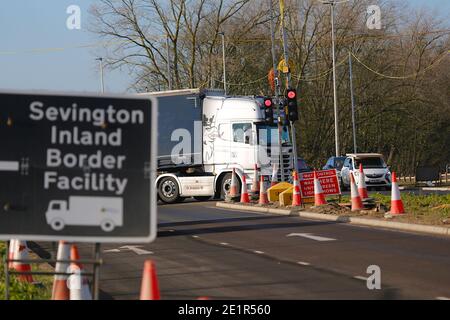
column 268, row 135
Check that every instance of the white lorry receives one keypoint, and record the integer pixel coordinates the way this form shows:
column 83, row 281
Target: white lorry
column 202, row 136
column 103, row 212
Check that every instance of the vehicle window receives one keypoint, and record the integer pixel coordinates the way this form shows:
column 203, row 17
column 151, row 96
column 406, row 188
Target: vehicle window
column 347, row 163
column 56, row 206
column 302, row 164
column 242, row 133
column 329, row 163
column 371, row 163
column 338, row 164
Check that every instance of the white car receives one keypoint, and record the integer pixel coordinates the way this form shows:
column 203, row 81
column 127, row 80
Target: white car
column 375, row 168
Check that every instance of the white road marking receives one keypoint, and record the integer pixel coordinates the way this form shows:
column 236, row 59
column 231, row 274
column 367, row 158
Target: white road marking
column 136, row 249
column 311, row 236
column 111, row 251
column 196, row 237
column 9, row 166
column 360, row 278
column 224, row 244
column 304, row 263
column 442, row 298
column 258, row 252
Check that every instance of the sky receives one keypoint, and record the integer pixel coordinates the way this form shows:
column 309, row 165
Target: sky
column 26, row 25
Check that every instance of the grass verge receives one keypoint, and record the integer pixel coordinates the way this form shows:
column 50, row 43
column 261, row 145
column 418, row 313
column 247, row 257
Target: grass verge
column 25, row 291
column 422, row 209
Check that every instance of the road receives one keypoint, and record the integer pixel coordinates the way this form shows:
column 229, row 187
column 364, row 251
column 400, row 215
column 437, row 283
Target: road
column 205, row 251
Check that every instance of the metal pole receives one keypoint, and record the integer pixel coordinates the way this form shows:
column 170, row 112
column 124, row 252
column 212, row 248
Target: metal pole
column 102, row 85
column 96, row 280
column 288, row 75
column 169, row 73
column 277, row 90
column 336, row 113
column 355, row 147
column 224, row 63
column 6, row 266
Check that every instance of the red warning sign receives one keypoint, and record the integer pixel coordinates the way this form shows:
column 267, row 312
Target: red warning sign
column 328, row 179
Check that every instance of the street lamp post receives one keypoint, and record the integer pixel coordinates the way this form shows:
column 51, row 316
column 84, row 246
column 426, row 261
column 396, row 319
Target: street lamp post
column 355, row 148
column 102, row 85
column 277, row 90
column 333, row 50
column 289, row 83
column 224, row 63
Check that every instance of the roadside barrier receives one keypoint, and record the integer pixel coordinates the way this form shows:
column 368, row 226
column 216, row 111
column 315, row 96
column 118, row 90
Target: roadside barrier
column 357, row 204
column 362, row 188
column 244, row 194
column 60, row 288
column 21, row 254
column 396, row 200
column 149, row 285
column 263, row 199
column 319, row 197
column 77, row 282
column 297, row 197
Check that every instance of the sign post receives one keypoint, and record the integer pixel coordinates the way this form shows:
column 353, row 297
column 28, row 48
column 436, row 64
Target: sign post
column 77, row 168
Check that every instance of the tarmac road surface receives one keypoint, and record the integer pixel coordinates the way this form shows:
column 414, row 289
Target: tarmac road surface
column 222, row 254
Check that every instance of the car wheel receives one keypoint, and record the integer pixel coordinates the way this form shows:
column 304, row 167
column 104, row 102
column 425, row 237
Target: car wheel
column 169, row 191
column 225, row 185
column 107, row 226
column 57, row 224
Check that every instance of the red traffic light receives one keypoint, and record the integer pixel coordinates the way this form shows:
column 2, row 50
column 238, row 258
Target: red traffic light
column 292, row 94
column 268, row 103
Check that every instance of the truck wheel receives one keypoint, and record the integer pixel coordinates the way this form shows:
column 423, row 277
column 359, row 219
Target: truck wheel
column 57, row 224
column 107, row 226
column 202, row 199
column 225, row 185
column 169, row 191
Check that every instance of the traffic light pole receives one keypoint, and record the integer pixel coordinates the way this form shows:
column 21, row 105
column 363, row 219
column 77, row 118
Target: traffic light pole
column 277, row 91
column 288, row 75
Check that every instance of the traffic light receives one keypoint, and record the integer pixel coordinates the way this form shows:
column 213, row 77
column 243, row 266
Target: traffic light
column 292, row 105
column 268, row 111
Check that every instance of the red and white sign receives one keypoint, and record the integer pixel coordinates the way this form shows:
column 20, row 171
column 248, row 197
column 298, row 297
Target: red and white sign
column 328, row 179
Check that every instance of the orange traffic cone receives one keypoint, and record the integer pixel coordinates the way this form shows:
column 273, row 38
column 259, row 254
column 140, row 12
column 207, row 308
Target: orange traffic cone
column 296, row 197
column 11, row 250
column 21, row 253
column 244, row 194
column 357, row 204
column 149, row 285
column 234, row 193
column 256, row 182
column 60, row 288
column 362, row 188
column 78, row 284
column 263, row 199
column 396, row 200
column 319, row 197
column 274, row 175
